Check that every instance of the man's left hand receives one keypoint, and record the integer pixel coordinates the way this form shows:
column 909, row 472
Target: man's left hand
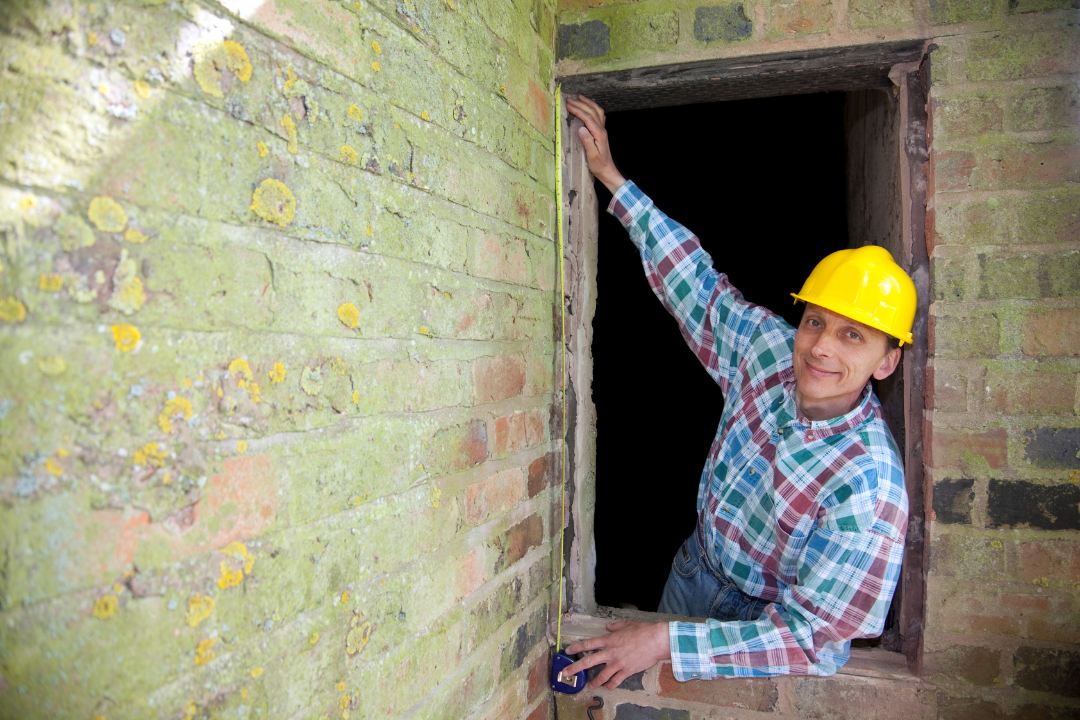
column 630, row 648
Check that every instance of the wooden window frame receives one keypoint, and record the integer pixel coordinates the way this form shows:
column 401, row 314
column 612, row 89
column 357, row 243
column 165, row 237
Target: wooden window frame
column 900, row 65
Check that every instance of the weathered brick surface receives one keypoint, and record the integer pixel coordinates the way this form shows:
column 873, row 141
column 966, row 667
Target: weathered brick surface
column 755, row 694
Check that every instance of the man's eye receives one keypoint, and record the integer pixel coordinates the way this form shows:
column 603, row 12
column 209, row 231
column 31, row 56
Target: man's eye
column 854, row 336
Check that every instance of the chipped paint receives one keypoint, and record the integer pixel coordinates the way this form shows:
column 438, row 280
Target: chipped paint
column 212, row 59
column 349, row 315
column 199, row 608
column 126, row 337
column 107, row 214
column 274, row 202
column 178, row 406
column 12, row 310
column 105, row 607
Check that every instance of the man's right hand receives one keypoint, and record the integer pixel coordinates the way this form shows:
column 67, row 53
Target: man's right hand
column 594, row 138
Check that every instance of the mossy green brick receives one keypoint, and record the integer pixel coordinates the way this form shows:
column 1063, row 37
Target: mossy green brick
column 1044, row 108
column 969, row 553
column 1035, row 218
column 643, row 28
column 966, row 114
column 944, row 12
column 1035, row 275
column 968, row 335
column 1017, row 55
column 872, row 14
column 950, row 279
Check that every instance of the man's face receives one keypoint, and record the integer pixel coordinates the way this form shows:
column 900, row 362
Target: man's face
column 834, row 357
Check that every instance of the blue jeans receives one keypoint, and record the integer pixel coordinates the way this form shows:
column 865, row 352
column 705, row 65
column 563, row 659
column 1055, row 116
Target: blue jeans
column 695, row 589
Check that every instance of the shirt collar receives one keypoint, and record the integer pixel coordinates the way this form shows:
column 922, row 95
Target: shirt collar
column 818, row 429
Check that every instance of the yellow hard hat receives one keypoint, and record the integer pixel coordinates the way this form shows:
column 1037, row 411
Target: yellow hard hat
column 864, row 284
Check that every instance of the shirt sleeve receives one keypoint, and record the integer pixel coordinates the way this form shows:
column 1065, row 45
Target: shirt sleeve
column 846, row 579
column 681, row 275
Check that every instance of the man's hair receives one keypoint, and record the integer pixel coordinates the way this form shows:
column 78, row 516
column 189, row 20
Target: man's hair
column 892, row 343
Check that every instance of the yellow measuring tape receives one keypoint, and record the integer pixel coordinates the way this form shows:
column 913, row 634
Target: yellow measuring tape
column 562, row 307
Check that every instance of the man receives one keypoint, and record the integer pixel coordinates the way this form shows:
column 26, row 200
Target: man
column 802, row 509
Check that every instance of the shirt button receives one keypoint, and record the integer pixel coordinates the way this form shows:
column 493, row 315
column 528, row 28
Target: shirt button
column 809, row 436
column 751, row 471
column 781, row 431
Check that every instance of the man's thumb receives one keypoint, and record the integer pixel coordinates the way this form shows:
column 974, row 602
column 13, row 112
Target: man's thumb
column 586, row 138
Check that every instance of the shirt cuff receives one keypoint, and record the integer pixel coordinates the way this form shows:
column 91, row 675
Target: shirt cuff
column 628, row 203
column 690, row 659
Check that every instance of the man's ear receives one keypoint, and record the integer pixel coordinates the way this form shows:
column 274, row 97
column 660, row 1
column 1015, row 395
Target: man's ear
column 888, row 364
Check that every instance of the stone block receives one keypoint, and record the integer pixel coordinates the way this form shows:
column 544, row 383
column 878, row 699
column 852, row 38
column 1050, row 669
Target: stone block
column 789, row 18
column 967, row 336
column 1007, row 163
column 875, row 699
column 958, row 116
column 950, row 279
column 1051, row 333
column 1026, row 388
column 497, row 378
column 951, row 169
column 493, row 496
column 956, row 448
column 953, row 499
column 1035, row 275
column 722, row 22
column 1023, row 54
column 753, row 694
column 1048, row 670
column 943, row 12
column 875, row 14
column 582, row 41
column 1017, row 504
column 975, row 665
column 1054, row 448
column 1044, row 108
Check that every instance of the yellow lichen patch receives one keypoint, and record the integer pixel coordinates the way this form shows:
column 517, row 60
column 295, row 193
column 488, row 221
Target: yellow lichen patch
column 142, row 89
column 135, row 237
column 126, row 337
column 213, row 58
column 375, row 66
column 348, row 155
column 240, row 365
column 256, row 672
column 288, row 85
column 166, row 479
column 118, row 588
column 199, row 608
column 375, row 47
column 53, row 468
column 369, row 230
column 150, row 455
column 277, row 373
column 349, row 315
column 243, row 692
column 12, row 310
column 128, row 295
column 27, row 203
column 107, row 214
column 343, row 702
column 354, row 113
column 91, row 39
column 204, row 652
column 313, row 639
column 241, row 447
column 52, row 365
column 51, row 282
column 238, row 551
column 344, row 599
column 103, row 89
column 353, row 501
column 174, row 407
column 263, row 152
column 253, row 391
column 290, row 131
column 356, row 397
column 274, row 202
column 105, row 607
column 358, row 636
column 425, row 115
column 436, row 496
column 61, row 452
column 229, row 577
column 341, row 687
column 190, row 710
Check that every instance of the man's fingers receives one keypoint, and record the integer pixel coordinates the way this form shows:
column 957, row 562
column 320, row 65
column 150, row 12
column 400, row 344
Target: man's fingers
column 617, row 680
column 584, row 663
column 585, row 645
column 602, row 677
column 594, row 105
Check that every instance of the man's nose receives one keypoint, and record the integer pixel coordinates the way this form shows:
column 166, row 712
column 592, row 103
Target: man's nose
column 825, row 345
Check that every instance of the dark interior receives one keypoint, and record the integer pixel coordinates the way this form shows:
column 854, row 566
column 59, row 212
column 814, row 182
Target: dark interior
column 761, row 182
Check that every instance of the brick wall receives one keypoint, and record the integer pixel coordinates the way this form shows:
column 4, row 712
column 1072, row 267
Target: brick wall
column 1002, row 431
column 276, row 290
column 1004, row 568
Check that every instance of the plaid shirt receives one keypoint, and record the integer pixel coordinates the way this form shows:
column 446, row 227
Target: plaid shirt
column 808, row 515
